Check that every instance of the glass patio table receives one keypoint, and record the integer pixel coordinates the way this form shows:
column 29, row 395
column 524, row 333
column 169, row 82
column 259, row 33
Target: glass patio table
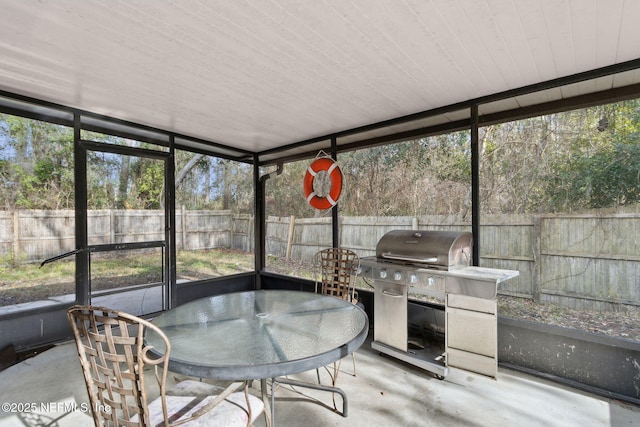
column 260, row 335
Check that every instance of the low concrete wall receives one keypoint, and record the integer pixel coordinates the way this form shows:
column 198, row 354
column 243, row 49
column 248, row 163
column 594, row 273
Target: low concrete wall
column 598, row 364
column 35, row 327
column 40, row 323
column 595, row 363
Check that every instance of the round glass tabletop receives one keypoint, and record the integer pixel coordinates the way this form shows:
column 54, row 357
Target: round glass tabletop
column 260, row 334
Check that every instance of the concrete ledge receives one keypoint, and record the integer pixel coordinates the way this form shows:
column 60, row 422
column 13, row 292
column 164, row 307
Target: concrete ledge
column 595, row 363
column 34, row 324
column 27, row 306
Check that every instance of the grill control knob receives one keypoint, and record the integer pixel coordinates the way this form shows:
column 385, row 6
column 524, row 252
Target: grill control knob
column 383, row 274
column 431, row 281
column 397, row 275
column 413, row 278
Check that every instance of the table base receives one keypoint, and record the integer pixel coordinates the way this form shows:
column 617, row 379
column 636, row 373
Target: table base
column 287, row 381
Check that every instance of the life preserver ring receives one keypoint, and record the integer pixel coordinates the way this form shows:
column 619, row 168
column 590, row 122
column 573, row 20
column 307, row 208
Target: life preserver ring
column 328, row 165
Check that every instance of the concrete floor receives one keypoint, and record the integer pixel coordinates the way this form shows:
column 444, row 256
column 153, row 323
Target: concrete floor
column 386, row 392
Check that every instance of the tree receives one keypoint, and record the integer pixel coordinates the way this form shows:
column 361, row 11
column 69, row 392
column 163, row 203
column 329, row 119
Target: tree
column 36, row 164
column 207, row 182
column 601, row 167
column 561, row 162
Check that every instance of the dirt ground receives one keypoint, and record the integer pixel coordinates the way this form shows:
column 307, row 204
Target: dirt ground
column 615, row 324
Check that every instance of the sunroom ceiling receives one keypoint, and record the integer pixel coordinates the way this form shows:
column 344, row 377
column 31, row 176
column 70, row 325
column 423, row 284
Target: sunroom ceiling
column 260, row 75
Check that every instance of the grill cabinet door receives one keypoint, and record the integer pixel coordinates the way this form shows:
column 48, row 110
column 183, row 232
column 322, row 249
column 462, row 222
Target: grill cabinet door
column 390, row 315
column 472, row 334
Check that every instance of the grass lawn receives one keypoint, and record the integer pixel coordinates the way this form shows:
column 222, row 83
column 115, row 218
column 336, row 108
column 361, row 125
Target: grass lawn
column 29, row 282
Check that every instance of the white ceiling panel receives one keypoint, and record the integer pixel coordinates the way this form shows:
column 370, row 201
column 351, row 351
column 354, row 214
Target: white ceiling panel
column 399, row 128
column 258, row 75
column 498, row 106
column 587, row 86
column 626, row 78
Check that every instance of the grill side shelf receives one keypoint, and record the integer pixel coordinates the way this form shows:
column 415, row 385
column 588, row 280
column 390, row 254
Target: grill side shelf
column 479, row 282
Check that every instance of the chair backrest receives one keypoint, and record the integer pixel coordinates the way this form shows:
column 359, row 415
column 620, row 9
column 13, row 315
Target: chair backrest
column 336, row 271
column 111, row 348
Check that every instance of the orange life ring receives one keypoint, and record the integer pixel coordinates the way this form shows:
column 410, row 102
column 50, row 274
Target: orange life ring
column 328, row 165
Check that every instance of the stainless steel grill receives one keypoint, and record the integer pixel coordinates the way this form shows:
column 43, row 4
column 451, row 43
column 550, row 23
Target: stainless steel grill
column 436, row 265
column 440, row 250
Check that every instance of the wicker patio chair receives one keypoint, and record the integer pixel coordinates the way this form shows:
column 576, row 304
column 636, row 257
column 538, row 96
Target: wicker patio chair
column 336, row 272
column 113, row 356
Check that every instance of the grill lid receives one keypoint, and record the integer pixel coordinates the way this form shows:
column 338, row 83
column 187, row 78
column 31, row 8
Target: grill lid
column 427, row 248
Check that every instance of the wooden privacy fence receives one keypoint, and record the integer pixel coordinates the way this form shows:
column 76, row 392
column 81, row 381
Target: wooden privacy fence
column 30, row 236
column 589, row 261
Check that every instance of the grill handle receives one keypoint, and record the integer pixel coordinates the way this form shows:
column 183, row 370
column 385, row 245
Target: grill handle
column 392, row 294
column 389, row 255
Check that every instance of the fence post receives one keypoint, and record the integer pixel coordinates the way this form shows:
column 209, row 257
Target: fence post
column 183, row 226
column 16, row 237
column 231, row 228
column 112, row 225
column 535, row 274
column 250, row 242
column 290, row 237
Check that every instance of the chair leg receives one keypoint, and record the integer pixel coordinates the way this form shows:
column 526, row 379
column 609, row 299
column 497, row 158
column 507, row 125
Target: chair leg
column 336, row 371
column 269, row 411
column 353, row 356
column 334, row 379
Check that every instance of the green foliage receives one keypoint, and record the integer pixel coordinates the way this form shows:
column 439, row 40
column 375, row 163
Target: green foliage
column 565, row 162
column 562, row 162
column 607, row 177
column 149, row 184
column 600, row 169
column 36, row 164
